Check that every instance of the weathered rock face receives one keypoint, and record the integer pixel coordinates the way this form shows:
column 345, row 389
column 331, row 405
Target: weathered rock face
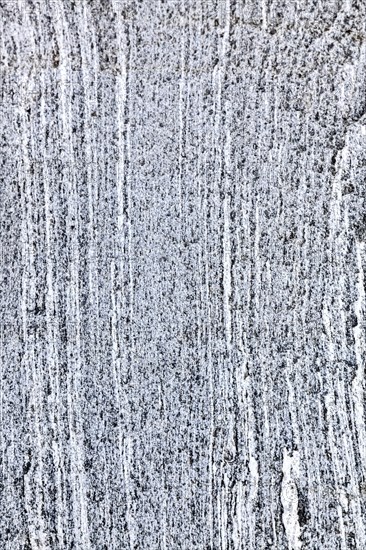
column 183, row 225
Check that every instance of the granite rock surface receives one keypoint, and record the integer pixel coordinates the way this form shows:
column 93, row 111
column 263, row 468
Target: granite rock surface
column 182, row 305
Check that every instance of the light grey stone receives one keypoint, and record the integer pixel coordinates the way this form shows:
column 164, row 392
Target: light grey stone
column 183, row 225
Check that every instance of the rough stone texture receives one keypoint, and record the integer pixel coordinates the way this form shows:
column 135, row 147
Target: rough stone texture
column 183, row 225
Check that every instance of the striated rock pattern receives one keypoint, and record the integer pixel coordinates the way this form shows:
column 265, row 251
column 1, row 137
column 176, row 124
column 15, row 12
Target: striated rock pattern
column 183, row 227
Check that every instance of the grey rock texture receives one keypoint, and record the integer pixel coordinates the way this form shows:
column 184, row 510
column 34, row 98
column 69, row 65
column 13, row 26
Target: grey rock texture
column 183, row 225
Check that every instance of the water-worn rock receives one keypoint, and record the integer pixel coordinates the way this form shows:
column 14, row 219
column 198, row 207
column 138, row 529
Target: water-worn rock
column 183, row 226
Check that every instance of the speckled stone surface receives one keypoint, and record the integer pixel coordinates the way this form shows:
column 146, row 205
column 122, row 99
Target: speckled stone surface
column 182, row 267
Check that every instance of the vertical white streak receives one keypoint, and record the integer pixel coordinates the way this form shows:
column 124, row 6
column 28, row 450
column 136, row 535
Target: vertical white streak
column 115, row 357
column 245, row 395
column 208, row 301
column 253, row 463
column 78, row 481
column 360, row 349
column 123, row 188
column 127, row 461
column 225, row 42
column 33, row 378
column 129, row 210
column 257, row 294
column 227, row 271
column 89, row 70
column 121, row 96
column 53, row 372
column 292, row 405
column 238, row 519
column 264, row 14
column 331, row 413
column 227, row 240
column 289, row 499
column 328, row 331
column 218, row 75
column 182, row 84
